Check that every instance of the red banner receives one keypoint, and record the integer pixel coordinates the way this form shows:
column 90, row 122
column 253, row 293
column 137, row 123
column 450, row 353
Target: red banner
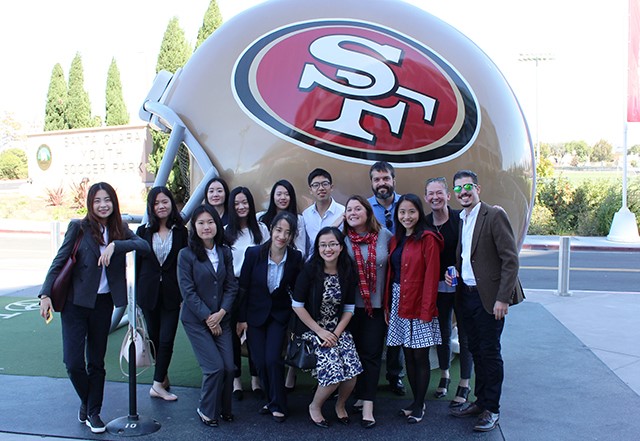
column 633, row 79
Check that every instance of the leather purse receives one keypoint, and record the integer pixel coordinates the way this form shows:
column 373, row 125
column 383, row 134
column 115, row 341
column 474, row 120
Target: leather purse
column 60, row 286
column 143, row 344
column 300, row 353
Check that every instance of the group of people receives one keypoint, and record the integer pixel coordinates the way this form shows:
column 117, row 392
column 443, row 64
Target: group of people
column 349, row 279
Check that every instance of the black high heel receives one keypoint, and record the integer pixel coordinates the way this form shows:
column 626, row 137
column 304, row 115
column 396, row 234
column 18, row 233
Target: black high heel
column 444, row 385
column 462, row 392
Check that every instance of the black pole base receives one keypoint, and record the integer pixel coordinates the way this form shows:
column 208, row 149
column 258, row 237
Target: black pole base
column 133, row 426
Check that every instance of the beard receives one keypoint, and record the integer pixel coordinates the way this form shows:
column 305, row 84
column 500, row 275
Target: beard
column 386, row 195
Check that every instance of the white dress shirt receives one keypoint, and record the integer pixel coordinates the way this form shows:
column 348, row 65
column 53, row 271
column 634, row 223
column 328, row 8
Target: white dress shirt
column 468, row 225
column 313, row 222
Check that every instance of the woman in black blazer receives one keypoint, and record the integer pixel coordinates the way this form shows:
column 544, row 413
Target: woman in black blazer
column 267, row 279
column 209, row 288
column 157, row 290
column 97, row 284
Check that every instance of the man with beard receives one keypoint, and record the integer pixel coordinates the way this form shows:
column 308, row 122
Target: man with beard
column 383, row 202
column 487, row 262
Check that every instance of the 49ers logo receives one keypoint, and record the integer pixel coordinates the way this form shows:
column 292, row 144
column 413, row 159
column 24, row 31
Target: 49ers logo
column 357, row 90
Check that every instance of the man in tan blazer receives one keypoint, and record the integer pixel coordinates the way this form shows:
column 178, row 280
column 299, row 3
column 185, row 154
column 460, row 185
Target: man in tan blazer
column 487, row 263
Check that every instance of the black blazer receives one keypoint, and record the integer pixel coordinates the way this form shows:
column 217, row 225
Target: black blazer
column 256, row 304
column 205, row 290
column 85, row 278
column 149, row 272
column 310, row 288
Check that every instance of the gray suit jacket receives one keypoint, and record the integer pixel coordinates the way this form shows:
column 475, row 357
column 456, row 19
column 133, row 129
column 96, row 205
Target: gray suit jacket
column 494, row 256
column 86, row 272
column 205, row 290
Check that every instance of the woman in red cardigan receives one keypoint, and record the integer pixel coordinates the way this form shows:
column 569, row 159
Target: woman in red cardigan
column 410, row 297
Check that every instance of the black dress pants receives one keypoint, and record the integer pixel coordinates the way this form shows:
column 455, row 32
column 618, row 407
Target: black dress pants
column 84, row 344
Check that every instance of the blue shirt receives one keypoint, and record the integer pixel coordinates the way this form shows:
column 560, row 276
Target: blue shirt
column 380, row 212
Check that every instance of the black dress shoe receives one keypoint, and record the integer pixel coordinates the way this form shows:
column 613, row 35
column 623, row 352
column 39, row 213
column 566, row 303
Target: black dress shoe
column 264, row 410
column 443, row 386
column 487, row 421
column 237, row 394
column 344, row 420
column 367, row 424
column 279, row 418
column 259, row 393
column 322, row 424
column 466, row 410
column 397, row 387
column 462, row 392
column 205, row 420
column 228, row 417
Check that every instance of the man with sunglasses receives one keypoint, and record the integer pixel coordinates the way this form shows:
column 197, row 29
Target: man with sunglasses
column 383, row 202
column 325, row 211
column 487, row 263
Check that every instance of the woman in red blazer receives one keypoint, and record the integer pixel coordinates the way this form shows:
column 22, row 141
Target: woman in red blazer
column 410, row 297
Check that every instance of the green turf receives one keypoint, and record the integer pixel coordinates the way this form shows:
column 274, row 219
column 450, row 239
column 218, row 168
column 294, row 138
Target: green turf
column 32, row 348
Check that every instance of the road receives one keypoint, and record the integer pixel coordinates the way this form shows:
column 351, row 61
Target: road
column 590, row 270
column 25, row 258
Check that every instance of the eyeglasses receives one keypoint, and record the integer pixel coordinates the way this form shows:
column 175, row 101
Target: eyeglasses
column 323, row 184
column 332, row 245
column 387, row 219
column 467, row 187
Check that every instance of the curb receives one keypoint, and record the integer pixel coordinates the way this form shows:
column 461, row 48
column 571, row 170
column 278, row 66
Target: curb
column 555, row 247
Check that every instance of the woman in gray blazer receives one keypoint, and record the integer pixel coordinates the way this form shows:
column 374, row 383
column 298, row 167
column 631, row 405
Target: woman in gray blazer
column 209, row 288
column 97, row 284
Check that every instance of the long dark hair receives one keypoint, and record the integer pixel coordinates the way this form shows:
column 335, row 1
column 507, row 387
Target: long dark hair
column 233, row 227
column 372, row 224
column 289, row 218
column 114, row 221
column 195, row 242
column 174, row 218
column 421, row 225
column 268, row 217
column 225, row 187
column 346, row 268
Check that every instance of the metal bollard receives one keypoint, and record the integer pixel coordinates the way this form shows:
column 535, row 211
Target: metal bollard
column 55, row 237
column 564, row 266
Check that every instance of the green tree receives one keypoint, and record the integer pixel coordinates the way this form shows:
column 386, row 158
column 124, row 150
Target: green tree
column 212, row 21
column 115, row 108
column 602, row 151
column 634, row 150
column 174, row 53
column 13, row 164
column 544, row 168
column 580, row 149
column 9, row 131
column 54, row 111
column 78, row 112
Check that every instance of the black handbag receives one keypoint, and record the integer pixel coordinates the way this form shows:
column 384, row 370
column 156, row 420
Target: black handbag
column 60, row 286
column 300, row 353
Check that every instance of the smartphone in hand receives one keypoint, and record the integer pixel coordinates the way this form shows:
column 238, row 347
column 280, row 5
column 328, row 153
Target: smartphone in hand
column 49, row 316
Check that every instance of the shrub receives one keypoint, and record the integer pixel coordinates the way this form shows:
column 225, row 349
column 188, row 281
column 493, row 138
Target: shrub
column 13, row 164
column 55, row 196
column 542, row 221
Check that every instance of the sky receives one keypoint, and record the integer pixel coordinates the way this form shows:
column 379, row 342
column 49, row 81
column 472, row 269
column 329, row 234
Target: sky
column 581, row 93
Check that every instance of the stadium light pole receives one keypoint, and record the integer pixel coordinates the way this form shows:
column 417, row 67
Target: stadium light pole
column 536, row 58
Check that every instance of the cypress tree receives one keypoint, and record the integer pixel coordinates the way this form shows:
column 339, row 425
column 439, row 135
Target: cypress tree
column 54, row 112
column 174, row 53
column 78, row 113
column 115, row 108
column 212, row 21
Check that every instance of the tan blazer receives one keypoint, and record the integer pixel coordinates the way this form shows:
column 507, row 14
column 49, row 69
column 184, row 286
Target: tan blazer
column 494, row 257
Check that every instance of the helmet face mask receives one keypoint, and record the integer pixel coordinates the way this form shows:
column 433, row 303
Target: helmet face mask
column 290, row 85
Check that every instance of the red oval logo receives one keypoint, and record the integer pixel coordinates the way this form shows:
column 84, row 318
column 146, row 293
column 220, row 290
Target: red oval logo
column 359, row 91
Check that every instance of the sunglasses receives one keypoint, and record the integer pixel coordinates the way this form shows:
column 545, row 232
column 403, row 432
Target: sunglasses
column 467, row 187
column 387, row 219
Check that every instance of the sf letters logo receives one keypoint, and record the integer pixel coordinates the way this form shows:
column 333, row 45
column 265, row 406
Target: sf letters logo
column 363, row 78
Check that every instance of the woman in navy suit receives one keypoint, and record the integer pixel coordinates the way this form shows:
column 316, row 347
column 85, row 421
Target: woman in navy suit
column 97, row 284
column 209, row 288
column 157, row 290
column 267, row 279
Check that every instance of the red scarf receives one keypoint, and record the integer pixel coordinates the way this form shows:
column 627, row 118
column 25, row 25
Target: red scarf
column 366, row 270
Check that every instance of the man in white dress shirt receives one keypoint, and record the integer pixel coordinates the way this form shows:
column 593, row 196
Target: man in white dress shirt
column 325, row 211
